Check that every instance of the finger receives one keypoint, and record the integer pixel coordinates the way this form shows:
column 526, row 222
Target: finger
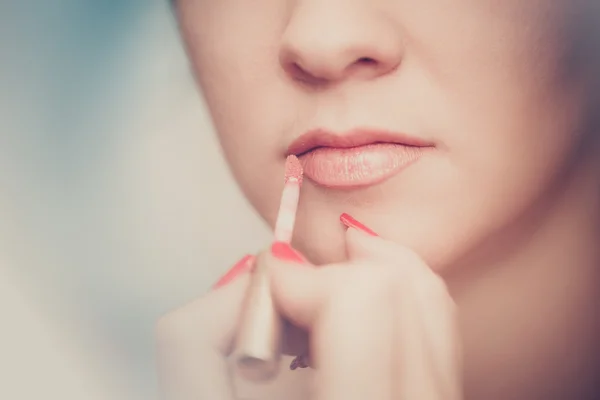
column 295, row 339
column 295, row 292
column 426, row 348
column 415, row 275
column 352, row 339
column 348, row 311
column 431, row 347
column 193, row 342
column 300, row 290
column 361, row 246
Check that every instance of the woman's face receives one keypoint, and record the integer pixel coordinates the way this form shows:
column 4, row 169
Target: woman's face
column 495, row 91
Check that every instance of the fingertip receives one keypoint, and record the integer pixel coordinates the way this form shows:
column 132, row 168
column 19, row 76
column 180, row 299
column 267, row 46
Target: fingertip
column 294, row 288
column 361, row 245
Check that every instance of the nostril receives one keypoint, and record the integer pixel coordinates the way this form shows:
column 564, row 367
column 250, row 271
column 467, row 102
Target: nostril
column 364, row 66
column 318, row 71
column 300, row 74
column 296, row 71
column 366, row 61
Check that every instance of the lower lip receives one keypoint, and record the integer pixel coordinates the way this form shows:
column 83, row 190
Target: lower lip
column 358, row 166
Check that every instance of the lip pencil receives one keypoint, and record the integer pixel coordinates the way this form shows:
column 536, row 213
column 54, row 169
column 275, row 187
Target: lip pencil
column 258, row 342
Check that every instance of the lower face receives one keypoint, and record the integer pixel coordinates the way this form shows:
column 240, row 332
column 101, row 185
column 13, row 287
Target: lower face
column 496, row 90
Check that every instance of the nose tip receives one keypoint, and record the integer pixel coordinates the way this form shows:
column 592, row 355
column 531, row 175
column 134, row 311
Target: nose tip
column 326, row 68
column 319, row 50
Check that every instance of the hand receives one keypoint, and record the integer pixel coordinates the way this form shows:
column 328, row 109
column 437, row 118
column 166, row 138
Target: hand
column 381, row 326
column 194, row 341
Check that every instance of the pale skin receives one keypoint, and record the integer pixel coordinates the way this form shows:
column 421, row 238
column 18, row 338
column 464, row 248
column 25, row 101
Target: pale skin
column 382, row 326
column 503, row 215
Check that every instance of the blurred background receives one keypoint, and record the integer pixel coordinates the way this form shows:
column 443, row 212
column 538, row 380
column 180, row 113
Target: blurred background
column 115, row 203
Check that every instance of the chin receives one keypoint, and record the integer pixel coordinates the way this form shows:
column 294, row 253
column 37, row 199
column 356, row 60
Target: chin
column 319, row 234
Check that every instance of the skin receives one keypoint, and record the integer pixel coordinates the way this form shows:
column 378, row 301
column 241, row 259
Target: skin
column 383, row 308
column 505, row 209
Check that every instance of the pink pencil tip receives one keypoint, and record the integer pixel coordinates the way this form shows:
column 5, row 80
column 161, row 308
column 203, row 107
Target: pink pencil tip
column 293, row 169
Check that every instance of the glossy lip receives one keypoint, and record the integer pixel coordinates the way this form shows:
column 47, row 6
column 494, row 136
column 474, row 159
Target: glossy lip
column 356, row 159
column 314, row 139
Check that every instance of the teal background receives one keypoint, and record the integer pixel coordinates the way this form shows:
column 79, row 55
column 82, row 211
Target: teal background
column 116, row 205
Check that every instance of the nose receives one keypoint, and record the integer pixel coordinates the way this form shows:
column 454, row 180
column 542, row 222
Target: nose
column 331, row 41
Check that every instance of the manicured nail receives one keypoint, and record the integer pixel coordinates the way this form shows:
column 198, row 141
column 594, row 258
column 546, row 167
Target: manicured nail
column 350, row 222
column 285, row 252
column 244, row 265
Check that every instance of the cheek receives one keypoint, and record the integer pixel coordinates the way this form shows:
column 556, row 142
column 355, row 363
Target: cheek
column 510, row 123
column 513, row 122
column 250, row 110
column 498, row 86
column 506, row 148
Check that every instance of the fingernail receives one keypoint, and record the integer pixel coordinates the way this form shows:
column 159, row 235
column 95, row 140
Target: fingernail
column 285, row 252
column 350, row 222
column 244, row 265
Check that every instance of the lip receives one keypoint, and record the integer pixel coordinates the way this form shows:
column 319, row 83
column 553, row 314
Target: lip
column 357, row 158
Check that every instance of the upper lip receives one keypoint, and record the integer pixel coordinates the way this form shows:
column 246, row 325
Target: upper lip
column 316, row 138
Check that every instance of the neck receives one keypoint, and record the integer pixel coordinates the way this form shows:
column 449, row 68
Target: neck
column 530, row 319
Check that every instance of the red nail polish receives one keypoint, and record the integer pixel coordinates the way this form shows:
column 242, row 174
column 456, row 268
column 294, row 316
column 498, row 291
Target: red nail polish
column 244, row 265
column 285, row 252
column 350, row 222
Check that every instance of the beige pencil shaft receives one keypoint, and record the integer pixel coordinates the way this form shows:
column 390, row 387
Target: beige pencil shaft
column 258, row 342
